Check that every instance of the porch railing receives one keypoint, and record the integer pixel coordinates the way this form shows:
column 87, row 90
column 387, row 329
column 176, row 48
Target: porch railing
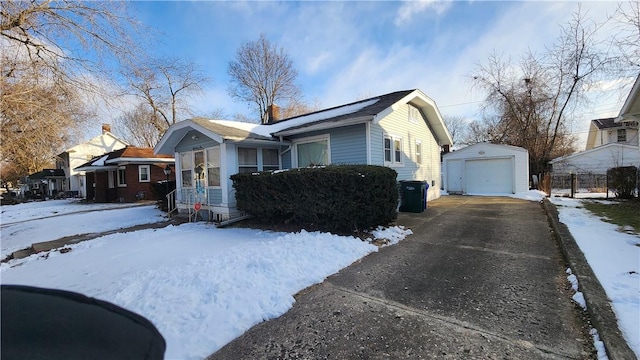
column 171, row 203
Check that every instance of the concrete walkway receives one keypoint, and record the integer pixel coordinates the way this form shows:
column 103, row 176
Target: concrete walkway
column 481, row 278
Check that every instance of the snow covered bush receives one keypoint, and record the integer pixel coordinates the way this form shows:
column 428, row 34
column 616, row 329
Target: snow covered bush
column 341, row 198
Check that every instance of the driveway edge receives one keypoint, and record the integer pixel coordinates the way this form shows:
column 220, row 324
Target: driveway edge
column 598, row 305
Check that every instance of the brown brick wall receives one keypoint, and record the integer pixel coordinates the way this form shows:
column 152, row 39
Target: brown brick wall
column 128, row 193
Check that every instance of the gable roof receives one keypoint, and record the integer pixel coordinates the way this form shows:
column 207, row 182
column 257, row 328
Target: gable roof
column 47, row 174
column 127, row 155
column 605, row 123
column 96, row 141
column 631, row 108
column 372, row 109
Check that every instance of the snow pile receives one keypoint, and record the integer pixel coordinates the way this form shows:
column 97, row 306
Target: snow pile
column 578, row 297
column 533, row 195
column 392, row 234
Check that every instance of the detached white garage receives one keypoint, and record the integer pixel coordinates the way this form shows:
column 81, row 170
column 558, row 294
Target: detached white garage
column 486, row 168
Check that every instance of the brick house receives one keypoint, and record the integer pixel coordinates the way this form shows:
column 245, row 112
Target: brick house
column 125, row 175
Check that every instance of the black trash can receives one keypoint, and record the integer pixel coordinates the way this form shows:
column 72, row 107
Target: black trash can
column 413, row 195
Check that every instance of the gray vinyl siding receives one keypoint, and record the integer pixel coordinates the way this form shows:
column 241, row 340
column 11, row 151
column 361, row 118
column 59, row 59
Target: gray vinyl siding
column 376, row 135
column 397, row 124
column 188, row 144
column 348, row 144
column 214, row 196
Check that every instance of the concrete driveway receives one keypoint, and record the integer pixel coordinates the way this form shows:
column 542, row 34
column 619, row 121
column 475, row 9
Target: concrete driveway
column 481, row 278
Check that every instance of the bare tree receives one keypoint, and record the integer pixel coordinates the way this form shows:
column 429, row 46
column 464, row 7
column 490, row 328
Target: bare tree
column 262, row 75
column 457, row 126
column 534, row 98
column 627, row 18
column 165, row 85
column 137, row 126
column 52, row 54
column 68, row 39
column 38, row 117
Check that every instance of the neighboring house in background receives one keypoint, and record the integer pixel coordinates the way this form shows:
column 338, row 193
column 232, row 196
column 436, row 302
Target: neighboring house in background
column 486, row 168
column 609, row 131
column 631, row 110
column 402, row 130
column 45, row 183
column 596, row 161
column 70, row 159
column 125, row 175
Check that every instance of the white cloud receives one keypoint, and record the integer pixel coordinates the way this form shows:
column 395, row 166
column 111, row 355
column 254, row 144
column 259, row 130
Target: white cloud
column 411, row 8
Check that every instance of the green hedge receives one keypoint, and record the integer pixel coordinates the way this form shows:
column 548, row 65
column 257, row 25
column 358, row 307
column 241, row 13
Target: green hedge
column 622, row 180
column 342, row 198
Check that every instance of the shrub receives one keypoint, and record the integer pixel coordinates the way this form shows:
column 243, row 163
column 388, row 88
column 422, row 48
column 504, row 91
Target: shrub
column 622, row 180
column 341, row 198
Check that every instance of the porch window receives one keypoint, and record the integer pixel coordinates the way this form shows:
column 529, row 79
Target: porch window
column 186, row 165
column 144, row 173
column 247, row 160
column 122, row 182
column 418, row 152
column 313, row 153
column 213, row 166
column 392, row 149
column 270, row 160
column 622, row 135
column 111, row 180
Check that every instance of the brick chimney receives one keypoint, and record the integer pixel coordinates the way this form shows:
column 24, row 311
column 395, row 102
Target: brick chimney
column 273, row 114
column 106, row 128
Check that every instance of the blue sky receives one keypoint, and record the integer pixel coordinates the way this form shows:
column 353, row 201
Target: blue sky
column 346, row 51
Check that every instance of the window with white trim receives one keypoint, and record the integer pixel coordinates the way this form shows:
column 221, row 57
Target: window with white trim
column 247, row 160
column 186, row 166
column 144, row 173
column 213, row 166
column 418, row 152
column 622, row 135
column 122, row 182
column 392, row 150
column 312, row 151
column 270, row 159
column 414, row 114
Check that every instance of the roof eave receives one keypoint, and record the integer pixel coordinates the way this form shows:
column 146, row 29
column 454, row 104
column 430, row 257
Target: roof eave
column 631, row 108
column 324, row 125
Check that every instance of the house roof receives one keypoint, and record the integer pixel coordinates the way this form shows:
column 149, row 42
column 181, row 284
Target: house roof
column 605, row 123
column 98, row 140
column 371, row 109
column 47, row 174
column 127, row 155
column 631, row 108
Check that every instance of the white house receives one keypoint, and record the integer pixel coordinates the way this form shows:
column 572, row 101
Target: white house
column 612, row 131
column 486, row 168
column 72, row 158
column 403, row 130
column 631, row 110
column 597, row 160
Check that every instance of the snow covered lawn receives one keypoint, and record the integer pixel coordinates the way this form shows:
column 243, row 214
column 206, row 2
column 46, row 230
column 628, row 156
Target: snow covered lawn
column 614, row 257
column 25, row 224
column 201, row 286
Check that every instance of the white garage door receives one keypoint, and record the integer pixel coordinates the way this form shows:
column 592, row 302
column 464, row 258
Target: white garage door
column 488, row 176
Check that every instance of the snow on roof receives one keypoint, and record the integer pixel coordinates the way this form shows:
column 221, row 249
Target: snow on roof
column 268, row 129
column 100, row 162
